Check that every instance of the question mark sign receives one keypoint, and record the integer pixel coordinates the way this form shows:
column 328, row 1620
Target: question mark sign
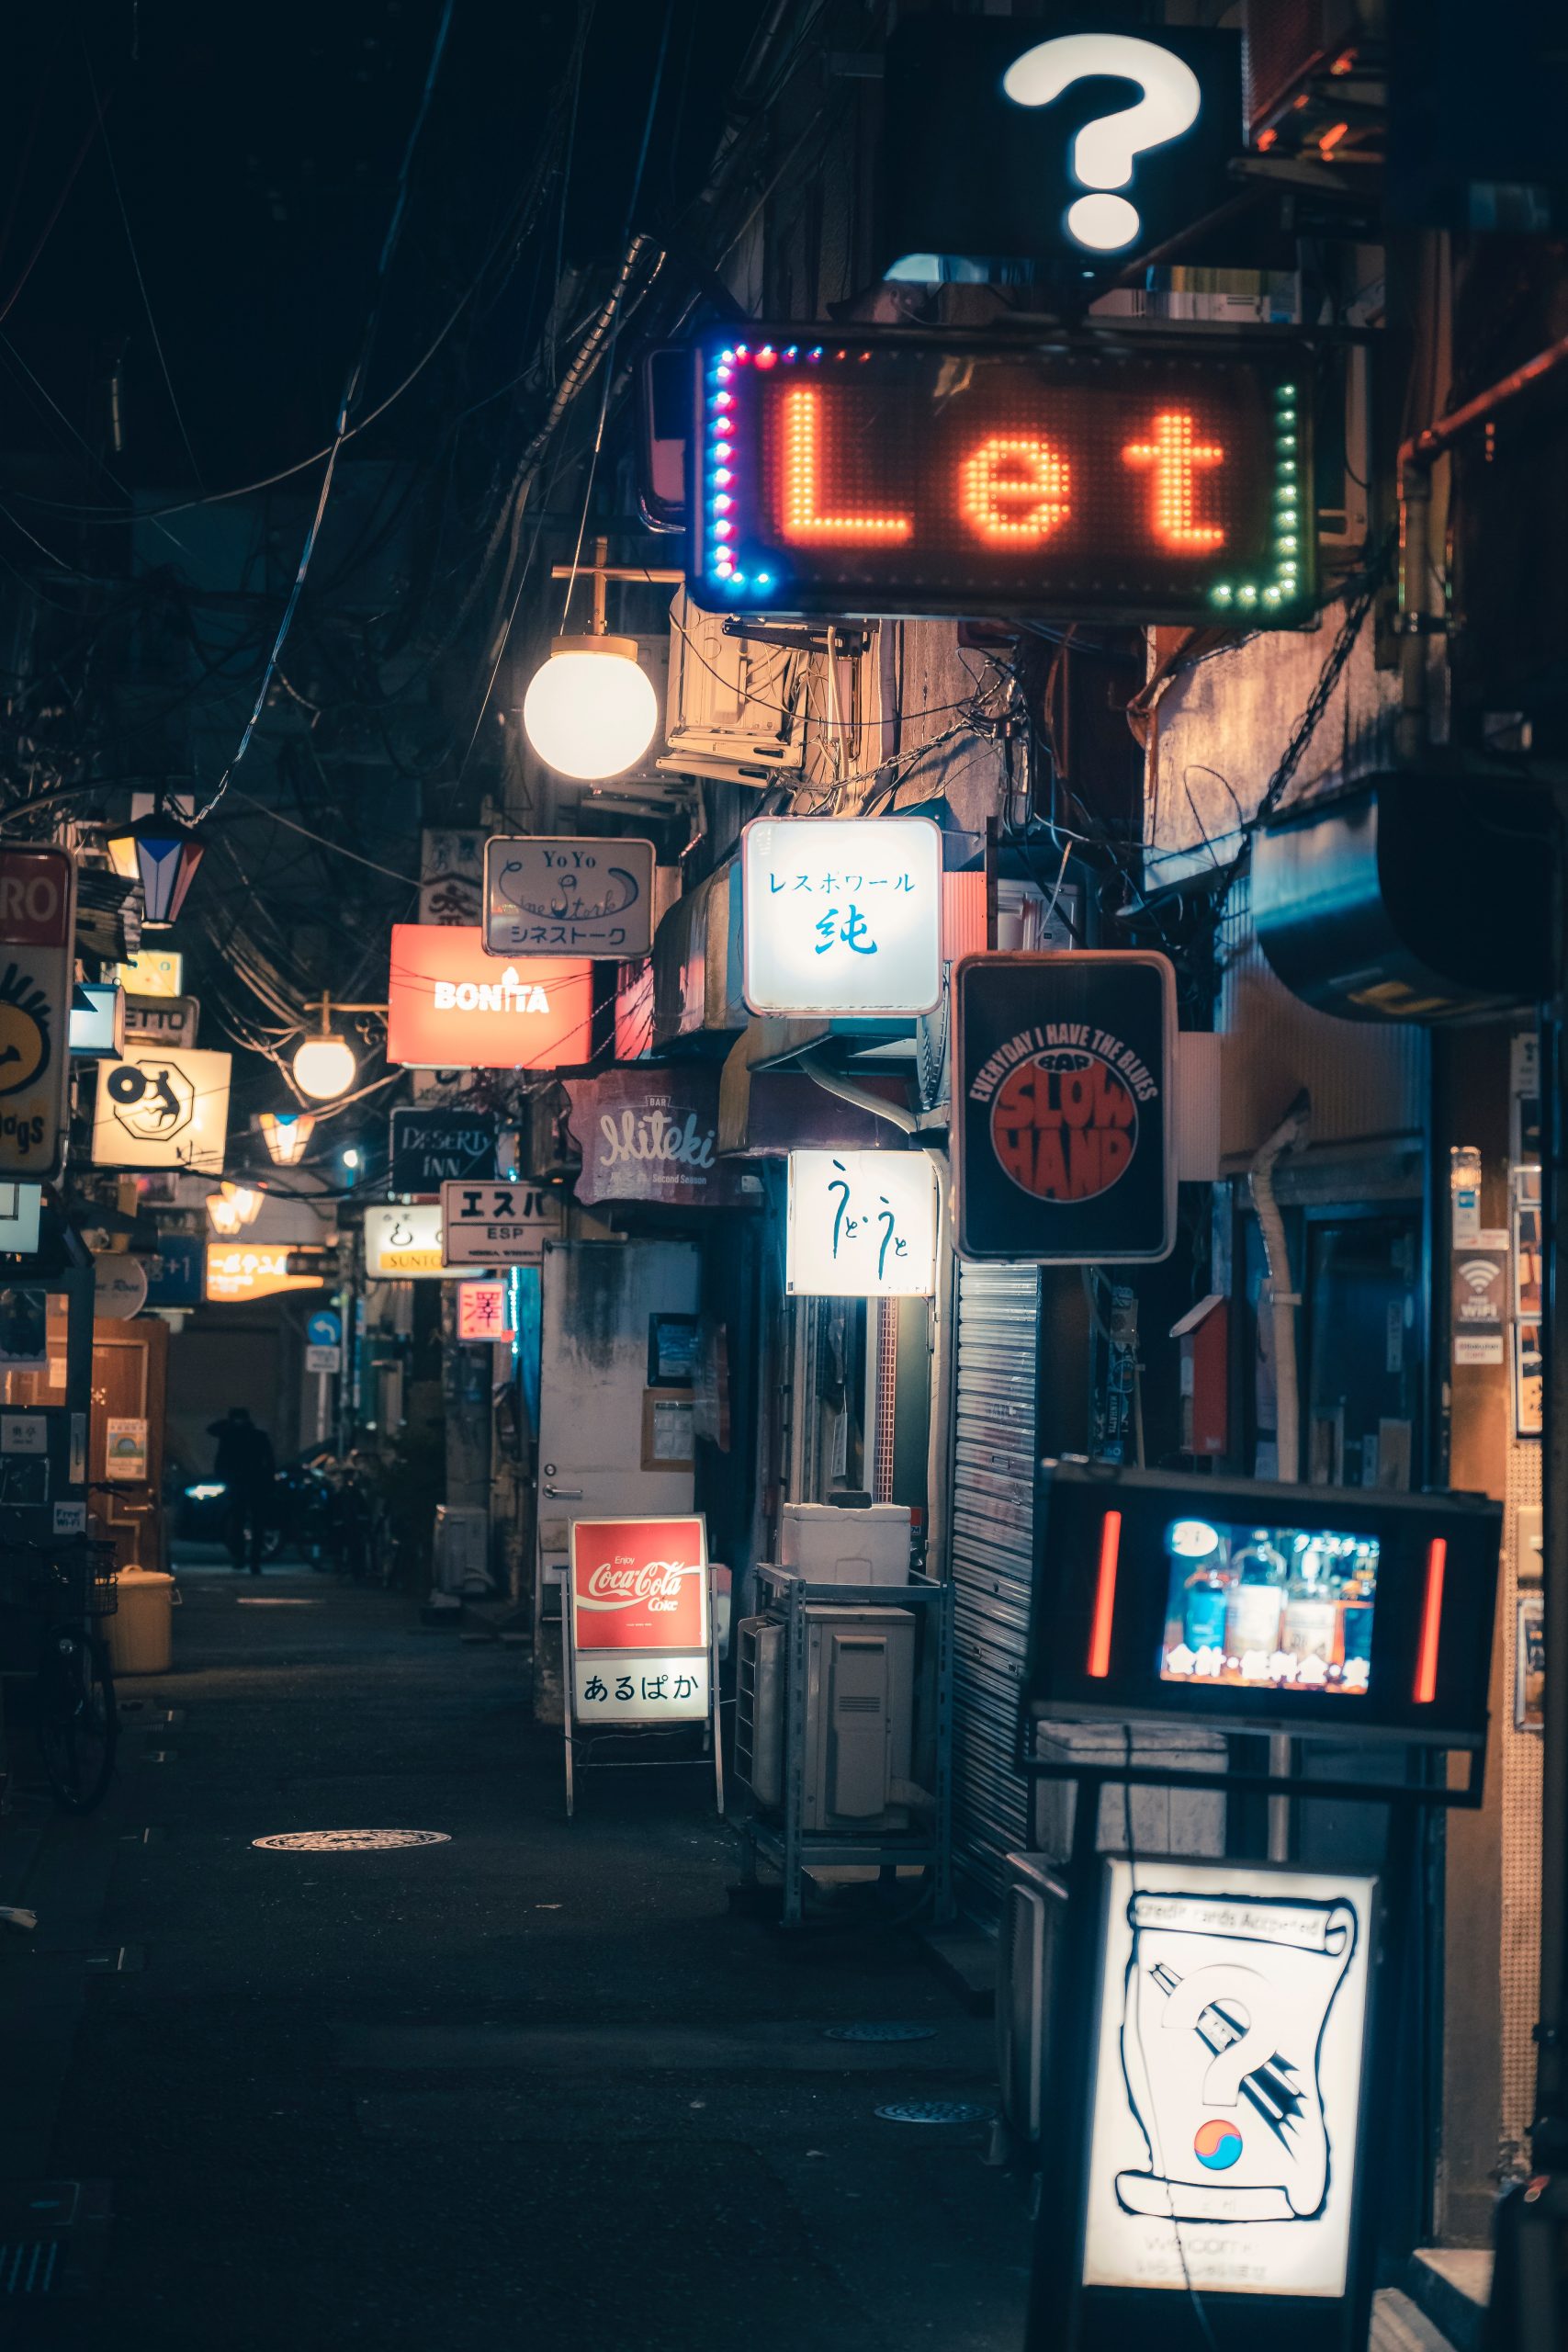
column 1265, row 2005
column 1104, row 149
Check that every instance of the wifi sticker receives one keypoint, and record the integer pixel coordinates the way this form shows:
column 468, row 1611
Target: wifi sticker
column 1478, row 1300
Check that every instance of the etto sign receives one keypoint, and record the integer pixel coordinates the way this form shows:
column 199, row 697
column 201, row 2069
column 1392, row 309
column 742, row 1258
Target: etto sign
column 841, row 914
column 1161, row 480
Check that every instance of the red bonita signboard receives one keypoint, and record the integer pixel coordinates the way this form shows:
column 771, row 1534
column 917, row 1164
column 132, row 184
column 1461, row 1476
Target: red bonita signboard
column 450, row 1006
column 639, row 1584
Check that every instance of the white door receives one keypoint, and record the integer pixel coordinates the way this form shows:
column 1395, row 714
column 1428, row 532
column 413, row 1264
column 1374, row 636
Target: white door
column 599, row 1299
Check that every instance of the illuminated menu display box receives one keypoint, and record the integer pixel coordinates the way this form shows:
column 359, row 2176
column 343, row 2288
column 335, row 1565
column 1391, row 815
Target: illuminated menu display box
column 1142, row 478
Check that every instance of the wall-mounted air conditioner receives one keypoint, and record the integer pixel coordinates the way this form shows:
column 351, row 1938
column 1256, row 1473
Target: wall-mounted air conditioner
column 736, row 707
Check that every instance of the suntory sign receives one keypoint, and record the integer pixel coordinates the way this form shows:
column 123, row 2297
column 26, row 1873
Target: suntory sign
column 451, row 1006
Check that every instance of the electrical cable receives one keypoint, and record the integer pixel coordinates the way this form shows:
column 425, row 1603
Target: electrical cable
column 346, row 408
column 609, row 367
column 136, row 265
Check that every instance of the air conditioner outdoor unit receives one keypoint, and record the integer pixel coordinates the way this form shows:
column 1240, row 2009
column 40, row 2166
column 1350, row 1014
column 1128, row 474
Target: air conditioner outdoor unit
column 860, row 1693
column 1033, row 1916
column 735, row 707
column 462, row 1548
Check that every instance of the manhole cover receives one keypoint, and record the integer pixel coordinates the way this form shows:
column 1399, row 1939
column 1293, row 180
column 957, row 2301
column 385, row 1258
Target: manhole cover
column 349, row 1841
column 935, row 2110
column 879, row 2030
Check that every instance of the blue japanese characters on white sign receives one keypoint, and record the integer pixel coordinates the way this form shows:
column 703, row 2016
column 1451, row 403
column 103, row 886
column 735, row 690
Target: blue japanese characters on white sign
column 861, row 1224
column 841, row 915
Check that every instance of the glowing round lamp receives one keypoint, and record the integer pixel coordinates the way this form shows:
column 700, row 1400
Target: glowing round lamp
column 591, row 712
column 325, row 1066
column 285, row 1135
column 222, row 1215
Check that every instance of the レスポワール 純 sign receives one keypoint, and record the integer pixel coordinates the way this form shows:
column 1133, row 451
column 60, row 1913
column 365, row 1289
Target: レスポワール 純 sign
column 37, row 918
column 450, row 1006
column 1064, row 1137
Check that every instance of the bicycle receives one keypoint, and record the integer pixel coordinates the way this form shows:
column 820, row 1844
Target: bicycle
column 74, row 1712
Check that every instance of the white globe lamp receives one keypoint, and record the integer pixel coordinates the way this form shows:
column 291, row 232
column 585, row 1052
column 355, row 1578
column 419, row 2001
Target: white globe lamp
column 324, row 1067
column 591, row 712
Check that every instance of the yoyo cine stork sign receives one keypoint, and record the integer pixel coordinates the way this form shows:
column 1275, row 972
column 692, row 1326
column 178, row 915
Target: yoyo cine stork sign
column 841, row 915
column 547, row 894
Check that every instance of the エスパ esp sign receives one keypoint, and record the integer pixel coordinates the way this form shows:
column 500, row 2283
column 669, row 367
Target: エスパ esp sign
column 38, row 919
column 639, row 1584
column 496, row 1224
column 1064, row 1134
column 1148, row 479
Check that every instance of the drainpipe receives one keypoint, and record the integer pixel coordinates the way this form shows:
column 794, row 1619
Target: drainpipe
column 1284, row 1299
column 1417, row 455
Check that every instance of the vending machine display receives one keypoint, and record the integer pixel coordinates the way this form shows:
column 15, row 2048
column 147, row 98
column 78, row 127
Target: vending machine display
column 1290, row 1608
column 1248, row 1605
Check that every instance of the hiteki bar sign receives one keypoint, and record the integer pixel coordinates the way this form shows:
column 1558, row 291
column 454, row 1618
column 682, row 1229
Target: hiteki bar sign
column 450, row 1007
column 1150, row 478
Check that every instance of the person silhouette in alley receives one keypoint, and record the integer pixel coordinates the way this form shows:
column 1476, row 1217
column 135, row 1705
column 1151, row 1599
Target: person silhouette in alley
column 245, row 1463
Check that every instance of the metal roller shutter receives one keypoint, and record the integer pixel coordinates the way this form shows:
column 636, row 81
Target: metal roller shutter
column 992, row 1532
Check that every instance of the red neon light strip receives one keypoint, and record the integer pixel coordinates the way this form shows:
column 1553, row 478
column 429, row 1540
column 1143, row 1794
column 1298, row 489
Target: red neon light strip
column 1105, row 1596
column 1431, row 1623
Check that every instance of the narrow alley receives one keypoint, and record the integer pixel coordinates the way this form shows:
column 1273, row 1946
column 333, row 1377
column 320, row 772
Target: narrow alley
column 533, row 2084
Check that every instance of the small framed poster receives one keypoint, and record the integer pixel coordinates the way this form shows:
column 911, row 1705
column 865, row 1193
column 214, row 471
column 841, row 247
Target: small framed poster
column 1530, row 1662
column 24, row 1324
column 674, row 1349
column 668, row 1433
column 125, row 1450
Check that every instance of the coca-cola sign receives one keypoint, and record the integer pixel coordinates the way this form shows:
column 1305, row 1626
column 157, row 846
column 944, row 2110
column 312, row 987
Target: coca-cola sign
column 639, row 1584
column 652, row 1134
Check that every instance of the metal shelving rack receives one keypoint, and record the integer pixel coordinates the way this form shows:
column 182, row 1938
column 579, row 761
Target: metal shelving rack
column 793, row 1849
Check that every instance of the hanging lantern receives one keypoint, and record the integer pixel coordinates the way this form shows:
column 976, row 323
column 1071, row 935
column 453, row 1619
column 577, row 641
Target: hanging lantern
column 591, row 712
column 245, row 1200
column 325, row 1066
column 223, row 1217
column 163, row 855
column 285, row 1135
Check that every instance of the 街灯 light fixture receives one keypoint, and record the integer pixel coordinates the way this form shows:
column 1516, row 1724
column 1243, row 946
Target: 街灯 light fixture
column 163, row 854
column 591, row 712
column 245, row 1200
column 325, row 1066
column 285, row 1135
column 222, row 1215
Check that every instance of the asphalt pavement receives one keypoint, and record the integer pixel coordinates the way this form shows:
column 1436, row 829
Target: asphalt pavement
column 536, row 2076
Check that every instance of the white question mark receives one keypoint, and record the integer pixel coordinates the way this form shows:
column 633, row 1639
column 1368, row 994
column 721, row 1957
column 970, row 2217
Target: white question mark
column 1265, row 2005
column 1104, row 149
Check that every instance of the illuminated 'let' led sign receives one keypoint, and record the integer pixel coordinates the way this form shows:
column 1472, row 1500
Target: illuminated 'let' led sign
column 1145, row 480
